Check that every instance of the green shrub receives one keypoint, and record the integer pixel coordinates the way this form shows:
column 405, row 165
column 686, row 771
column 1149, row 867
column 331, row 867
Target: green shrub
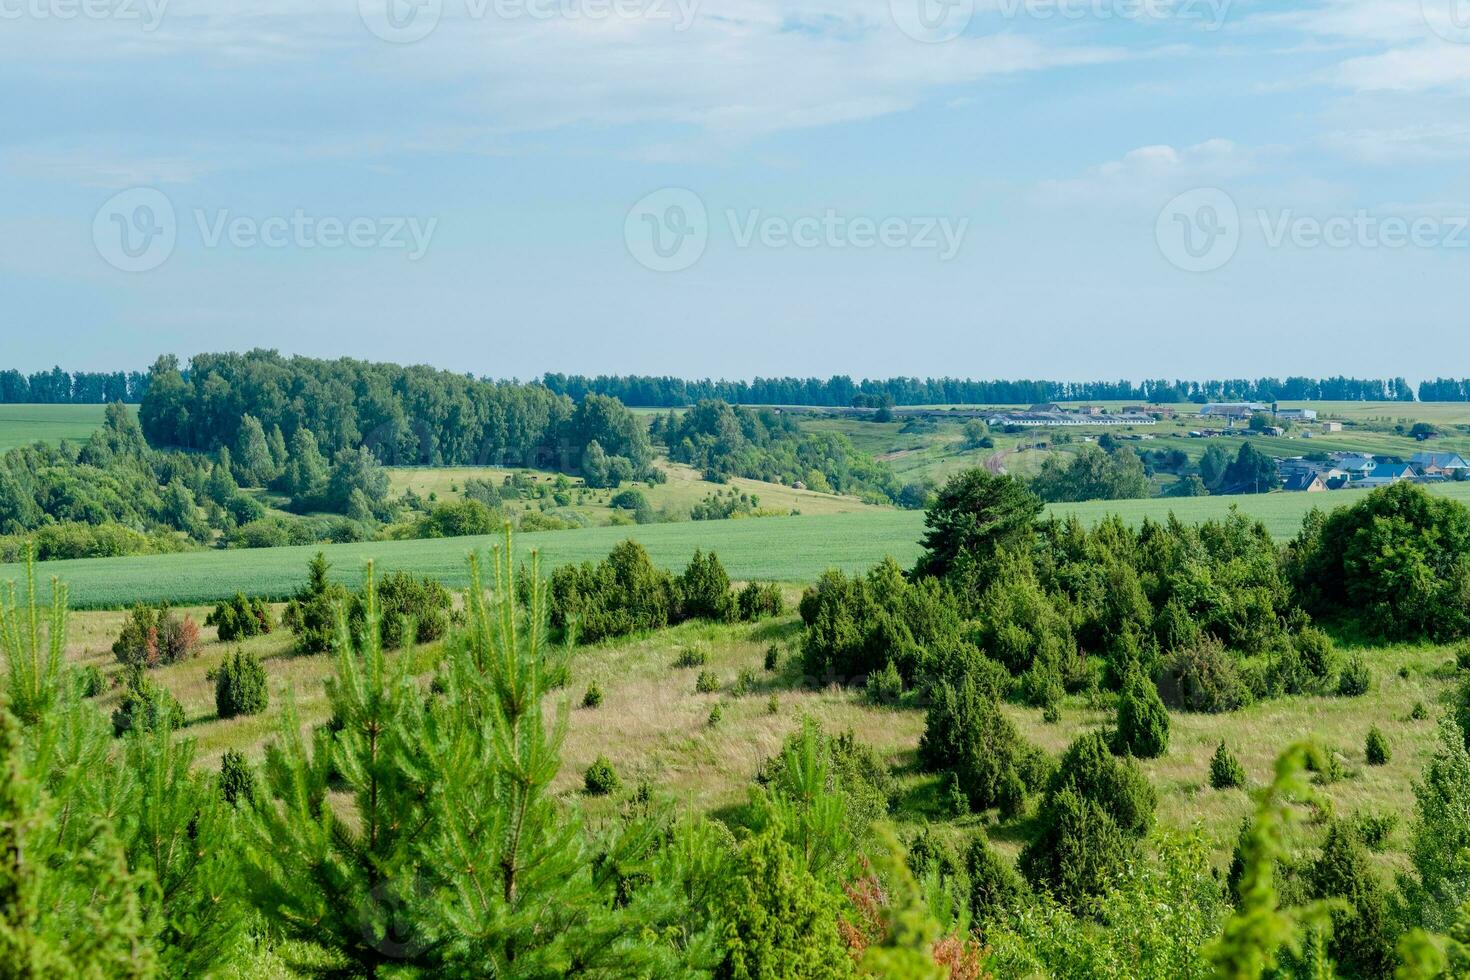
column 1363, row 933
column 758, row 601
column 744, row 682
column 312, row 612
column 704, row 589
column 1114, row 783
column 965, row 731
column 403, row 599
column 240, row 687
column 1376, row 748
column 146, row 706
column 995, row 888
column 593, row 697
column 1356, row 678
column 1326, row 765
column 1204, row 677
column 600, row 778
column 885, row 687
column 707, row 683
column 1041, row 685
column 1419, row 712
column 1317, row 651
column 1374, row 829
column 625, row 593
column 154, row 637
column 773, row 658
column 1079, row 851
column 1143, row 722
column 692, row 657
column 715, row 715
column 92, row 682
column 241, row 618
column 773, row 705
column 236, row 778
column 1226, row 772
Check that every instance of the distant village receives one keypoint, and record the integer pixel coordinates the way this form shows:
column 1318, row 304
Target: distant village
column 1334, row 471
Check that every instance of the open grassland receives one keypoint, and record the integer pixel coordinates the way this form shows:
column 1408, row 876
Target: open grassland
column 783, row 549
column 21, row 425
column 683, row 489
column 653, row 726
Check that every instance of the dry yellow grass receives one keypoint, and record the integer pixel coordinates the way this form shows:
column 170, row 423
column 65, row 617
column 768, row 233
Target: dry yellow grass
column 653, row 726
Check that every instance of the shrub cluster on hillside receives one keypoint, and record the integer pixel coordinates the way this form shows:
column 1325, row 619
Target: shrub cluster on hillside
column 626, row 593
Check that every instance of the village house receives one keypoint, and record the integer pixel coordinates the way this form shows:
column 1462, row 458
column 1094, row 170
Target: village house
column 1450, row 465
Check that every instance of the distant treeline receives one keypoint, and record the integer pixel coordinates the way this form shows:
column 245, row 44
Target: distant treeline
column 1445, row 390
column 840, row 390
column 58, row 387
column 405, row 415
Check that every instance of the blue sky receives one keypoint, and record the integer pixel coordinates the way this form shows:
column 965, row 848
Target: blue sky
column 1004, row 192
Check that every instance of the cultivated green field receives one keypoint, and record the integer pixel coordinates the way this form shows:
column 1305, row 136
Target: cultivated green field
column 785, row 549
column 21, row 425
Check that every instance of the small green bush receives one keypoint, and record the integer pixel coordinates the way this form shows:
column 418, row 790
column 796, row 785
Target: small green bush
column 1143, row 722
column 1462, row 656
column 236, row 778
column 744, row 682
column 1204, row 677
column 1226, row 772
column 757, row 601
column 241, row 618
column 1356, row 678
column 93, row 683
column 995, row 888
column 1376, row 748
column 885, row 687
column 715, row 714
column 773, row 705
column 593, row 697
column 773, row 657
column 600, row 778
column 1079, row 852
column 692, row 657
column 146, row 706
column 1317, row 652
column 240, row 687
column 1326, row 765
column 1419, row 712
column 1374, row 829
column 704, row 589
column 154, row 637
column 707, row 683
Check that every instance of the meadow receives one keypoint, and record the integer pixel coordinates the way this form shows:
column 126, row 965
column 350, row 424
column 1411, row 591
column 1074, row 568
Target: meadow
column 653, row 725
column 781, row 549
column 21, row 425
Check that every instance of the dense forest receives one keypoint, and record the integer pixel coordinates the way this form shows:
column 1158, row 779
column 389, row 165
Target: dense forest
column 405, row 416
column 57, row 387
column 842, row 391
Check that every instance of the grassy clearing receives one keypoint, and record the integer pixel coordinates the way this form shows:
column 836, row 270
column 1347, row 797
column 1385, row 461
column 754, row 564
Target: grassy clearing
column 653, row 726
column 683, row 489
column 21, row 425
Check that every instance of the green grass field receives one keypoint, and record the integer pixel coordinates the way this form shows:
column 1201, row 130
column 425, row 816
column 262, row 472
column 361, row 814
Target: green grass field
column 21, row 425
column 785, row 549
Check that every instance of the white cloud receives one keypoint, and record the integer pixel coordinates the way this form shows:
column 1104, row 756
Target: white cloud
column 1150, row 174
